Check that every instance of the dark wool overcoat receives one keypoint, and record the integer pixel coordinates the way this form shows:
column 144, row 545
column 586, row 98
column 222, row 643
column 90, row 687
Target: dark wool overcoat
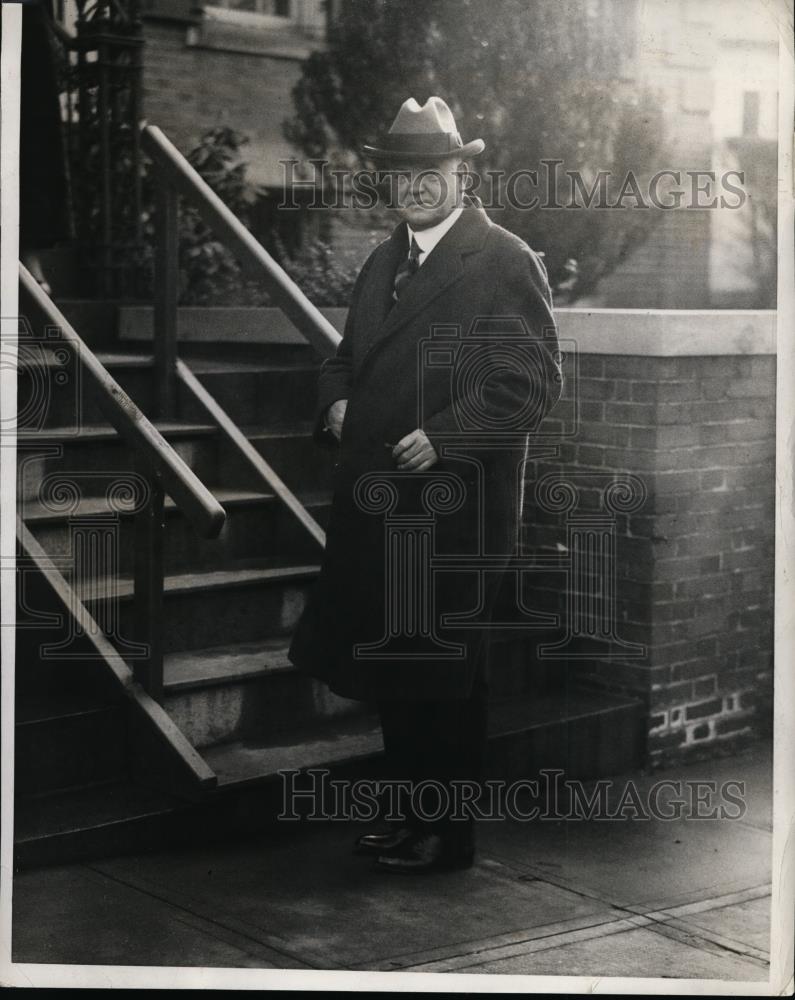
column 469, row 354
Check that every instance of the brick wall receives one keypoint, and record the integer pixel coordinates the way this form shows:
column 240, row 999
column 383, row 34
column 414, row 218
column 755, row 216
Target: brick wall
column 669, row 271
column 694, row 563
column 189, row 89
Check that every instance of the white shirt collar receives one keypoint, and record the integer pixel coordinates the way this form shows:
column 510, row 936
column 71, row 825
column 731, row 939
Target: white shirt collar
column 428, row 238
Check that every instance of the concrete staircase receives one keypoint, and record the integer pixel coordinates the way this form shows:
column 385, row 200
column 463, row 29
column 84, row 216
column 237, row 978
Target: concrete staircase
column 230, row 606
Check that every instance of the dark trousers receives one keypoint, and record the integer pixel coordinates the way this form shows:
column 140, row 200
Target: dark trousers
column 439, row 741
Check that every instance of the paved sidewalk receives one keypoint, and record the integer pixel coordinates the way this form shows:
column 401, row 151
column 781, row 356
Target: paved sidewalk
column 685, row 898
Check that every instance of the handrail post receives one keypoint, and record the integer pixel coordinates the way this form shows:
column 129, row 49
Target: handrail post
column 149, row 572
column 165, row 299
column 172, row 166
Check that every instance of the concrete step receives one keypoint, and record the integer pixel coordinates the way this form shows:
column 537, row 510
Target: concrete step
column 515, row 669
column 301, row 463
column 252, row 391
column 255, row 392
column 54, row 370
column 94, row 456
column 52, row 392
column 90, row 822
column 245, row 763
column 52, row 655
column 268, row 352
column 244, row 691
column 257, row 526
column 49, row 384
column 251, row 691
column 249, row 602
column 221, row 327
column 63, row 742
column 585, row 734
column 96, row 320
column 121, row 817
column 71, row 675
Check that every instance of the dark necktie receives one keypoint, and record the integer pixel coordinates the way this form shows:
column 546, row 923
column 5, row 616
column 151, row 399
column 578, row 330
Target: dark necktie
column 407, row 269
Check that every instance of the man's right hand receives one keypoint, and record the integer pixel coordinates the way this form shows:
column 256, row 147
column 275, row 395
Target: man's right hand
column 335, row 415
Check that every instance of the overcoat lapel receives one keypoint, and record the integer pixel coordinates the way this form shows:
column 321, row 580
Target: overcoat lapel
column 375, row 304
column 443, row 267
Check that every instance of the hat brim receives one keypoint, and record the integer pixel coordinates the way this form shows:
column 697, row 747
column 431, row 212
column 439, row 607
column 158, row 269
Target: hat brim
column 472, row 148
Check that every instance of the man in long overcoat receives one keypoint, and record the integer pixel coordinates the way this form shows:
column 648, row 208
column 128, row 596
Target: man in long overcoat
column 447, row 363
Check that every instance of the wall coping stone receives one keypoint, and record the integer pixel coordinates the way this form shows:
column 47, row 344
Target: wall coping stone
column 632, row 332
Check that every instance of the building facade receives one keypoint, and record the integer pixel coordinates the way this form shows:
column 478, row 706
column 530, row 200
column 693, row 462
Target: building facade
column 713, row 68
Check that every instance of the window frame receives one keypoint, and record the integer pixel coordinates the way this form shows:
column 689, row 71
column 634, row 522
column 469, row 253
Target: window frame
column 221, row 10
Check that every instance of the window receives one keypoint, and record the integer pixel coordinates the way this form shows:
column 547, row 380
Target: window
column 751, row 113
column 273, row 8
column 287, row 28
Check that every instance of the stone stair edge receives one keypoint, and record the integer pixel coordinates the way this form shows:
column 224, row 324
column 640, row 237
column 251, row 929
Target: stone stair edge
column 361, row 745
column 91, row 433
column 181, row 583
column 35, row 512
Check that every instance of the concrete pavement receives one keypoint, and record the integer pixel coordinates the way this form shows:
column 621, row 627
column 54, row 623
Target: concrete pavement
column 683, row 898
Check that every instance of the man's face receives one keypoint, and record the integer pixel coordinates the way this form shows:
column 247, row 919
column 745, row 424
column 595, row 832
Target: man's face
column 424, row 194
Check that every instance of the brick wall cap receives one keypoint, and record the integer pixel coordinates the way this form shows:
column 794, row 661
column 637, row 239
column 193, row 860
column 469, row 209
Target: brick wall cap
column 669, row 332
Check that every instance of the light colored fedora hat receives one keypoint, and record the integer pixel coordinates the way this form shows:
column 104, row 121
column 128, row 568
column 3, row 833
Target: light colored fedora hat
column 422, row 133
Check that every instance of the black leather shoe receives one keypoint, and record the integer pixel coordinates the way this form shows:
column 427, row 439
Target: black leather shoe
column 425, row 852
column 377, row 843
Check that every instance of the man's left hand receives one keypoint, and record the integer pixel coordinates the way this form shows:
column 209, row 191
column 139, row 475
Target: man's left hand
column 415, row 452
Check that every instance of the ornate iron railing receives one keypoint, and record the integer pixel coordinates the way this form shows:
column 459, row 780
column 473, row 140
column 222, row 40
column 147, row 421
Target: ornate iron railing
column 101, row 85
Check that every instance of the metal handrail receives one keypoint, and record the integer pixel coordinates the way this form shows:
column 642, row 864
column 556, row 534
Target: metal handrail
column 249, row 453
column 177, row 177
column 177, row 478
column 252, row 255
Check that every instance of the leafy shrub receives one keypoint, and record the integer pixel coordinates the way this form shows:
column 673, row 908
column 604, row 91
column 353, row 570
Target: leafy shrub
column 319, row 273
column 209, row 272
